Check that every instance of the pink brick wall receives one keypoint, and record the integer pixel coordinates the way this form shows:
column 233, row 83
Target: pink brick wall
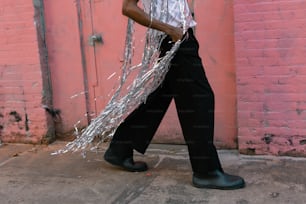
column 270, row 40
column 22, row 118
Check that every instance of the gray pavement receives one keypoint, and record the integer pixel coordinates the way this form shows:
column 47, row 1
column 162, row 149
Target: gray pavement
column 29, row 174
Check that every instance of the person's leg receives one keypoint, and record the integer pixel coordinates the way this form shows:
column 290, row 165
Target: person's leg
column 138, row 129
column 194, row 100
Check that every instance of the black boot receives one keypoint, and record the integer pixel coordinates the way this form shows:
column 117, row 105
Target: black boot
column 126, row 162
column 218, row 180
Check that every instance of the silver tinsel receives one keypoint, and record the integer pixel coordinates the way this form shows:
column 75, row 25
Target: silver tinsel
column 151, row 73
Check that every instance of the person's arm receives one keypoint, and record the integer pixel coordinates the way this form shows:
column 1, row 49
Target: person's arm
column 133, row 11
column 191, row 7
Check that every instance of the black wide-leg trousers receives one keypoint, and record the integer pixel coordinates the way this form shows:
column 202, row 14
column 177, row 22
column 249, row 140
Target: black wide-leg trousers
column 187, row 84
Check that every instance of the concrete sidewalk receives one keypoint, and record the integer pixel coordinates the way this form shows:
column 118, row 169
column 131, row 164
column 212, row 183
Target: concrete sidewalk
column 29, row 174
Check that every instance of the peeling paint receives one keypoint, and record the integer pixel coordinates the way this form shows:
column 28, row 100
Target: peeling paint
column 16, row 116
column 290, row 142
column 299, row 111
column 251, row 151
column 26, row 123
column 268, row 138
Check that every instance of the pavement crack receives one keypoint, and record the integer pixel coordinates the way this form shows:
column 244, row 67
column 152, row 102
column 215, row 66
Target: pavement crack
column 133, row 192
column 6, row 161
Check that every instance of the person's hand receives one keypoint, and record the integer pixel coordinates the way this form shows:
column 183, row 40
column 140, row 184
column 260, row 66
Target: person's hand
column 176, row 34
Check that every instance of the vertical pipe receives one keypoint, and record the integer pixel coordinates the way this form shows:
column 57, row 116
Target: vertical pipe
column 85, row 74
column 47, row 97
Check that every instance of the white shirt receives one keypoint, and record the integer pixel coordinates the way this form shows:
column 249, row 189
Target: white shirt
column 173, row 12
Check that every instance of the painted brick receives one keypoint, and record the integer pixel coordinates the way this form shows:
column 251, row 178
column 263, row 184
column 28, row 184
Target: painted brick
column 22, row 118
column 270, row 47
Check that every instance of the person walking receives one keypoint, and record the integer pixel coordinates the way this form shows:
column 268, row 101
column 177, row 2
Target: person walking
column 188, row 85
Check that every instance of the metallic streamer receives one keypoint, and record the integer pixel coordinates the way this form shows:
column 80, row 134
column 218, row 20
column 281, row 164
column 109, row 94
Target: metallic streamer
column 152, row 71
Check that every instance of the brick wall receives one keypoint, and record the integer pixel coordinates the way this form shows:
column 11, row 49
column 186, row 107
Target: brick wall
column 270, row 40
column 22, row 118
